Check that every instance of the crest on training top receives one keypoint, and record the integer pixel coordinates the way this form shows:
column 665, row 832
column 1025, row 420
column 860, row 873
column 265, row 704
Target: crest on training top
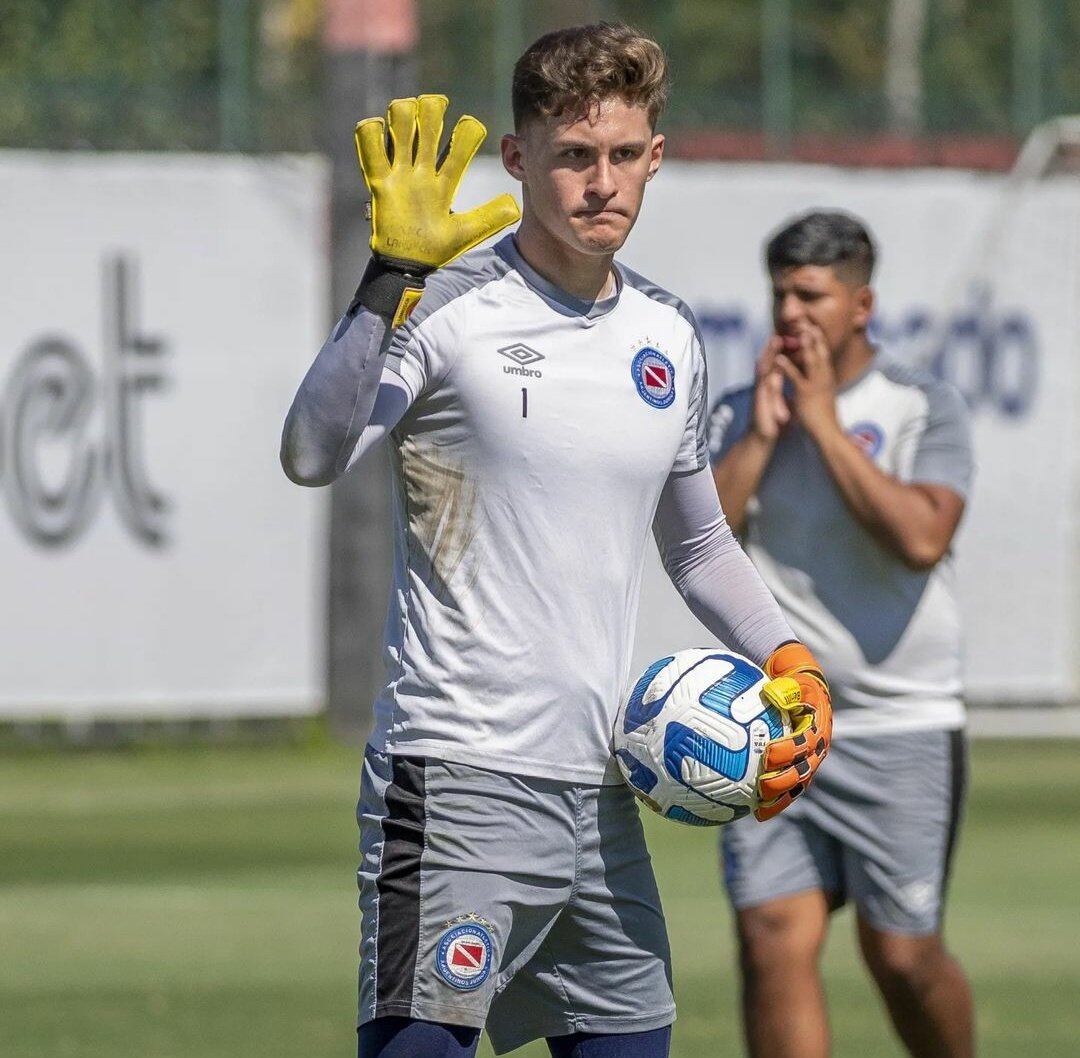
column 654, row 376
column 868, row 436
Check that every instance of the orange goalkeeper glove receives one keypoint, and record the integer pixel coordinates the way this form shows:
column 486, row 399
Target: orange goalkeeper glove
column 797, row 686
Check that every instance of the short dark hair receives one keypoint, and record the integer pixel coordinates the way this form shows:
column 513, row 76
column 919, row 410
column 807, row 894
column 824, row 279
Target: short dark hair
column 824, row 237
column 569, row 71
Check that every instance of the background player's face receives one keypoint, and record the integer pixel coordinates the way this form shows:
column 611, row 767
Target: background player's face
column 816, row 296
column 583, row 181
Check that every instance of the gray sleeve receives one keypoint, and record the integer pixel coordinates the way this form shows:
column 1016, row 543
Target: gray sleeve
column 944, row 453
column 391, row 403
column 729, row 421
column 712, row 572
column 693, row 453
column 335, row 400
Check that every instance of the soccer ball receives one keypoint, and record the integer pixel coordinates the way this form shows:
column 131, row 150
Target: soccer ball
column 689, row 737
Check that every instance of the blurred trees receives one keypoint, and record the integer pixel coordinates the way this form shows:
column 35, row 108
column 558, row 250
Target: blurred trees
column 169, row 73
column 964, row 54
column 156, row 74
column 74, row 72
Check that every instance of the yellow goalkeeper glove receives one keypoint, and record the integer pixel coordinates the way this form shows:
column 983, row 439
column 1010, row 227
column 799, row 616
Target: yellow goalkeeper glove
column 797, row 686
column 413, row 230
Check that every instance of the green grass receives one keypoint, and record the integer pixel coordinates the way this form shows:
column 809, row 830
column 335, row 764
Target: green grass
column 200, row 903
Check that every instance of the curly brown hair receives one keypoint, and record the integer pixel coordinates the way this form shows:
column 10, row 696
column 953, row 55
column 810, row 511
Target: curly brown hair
column 568, row 72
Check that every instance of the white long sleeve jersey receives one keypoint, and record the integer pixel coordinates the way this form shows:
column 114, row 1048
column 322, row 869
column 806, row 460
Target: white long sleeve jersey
column 535, row 442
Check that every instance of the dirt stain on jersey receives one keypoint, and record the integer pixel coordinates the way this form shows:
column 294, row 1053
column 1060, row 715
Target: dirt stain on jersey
column 441, row 504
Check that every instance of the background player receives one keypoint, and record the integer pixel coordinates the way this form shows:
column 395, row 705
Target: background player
column 846, row 475
column 545, row 407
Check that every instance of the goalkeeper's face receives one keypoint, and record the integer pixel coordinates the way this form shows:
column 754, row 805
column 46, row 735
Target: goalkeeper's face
column 583, row 181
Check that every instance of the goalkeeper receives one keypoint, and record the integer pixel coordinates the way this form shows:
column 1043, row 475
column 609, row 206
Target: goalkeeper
column 544, row 407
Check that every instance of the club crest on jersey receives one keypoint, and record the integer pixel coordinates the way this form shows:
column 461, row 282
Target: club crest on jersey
column 654, row 376
column 463, row 957
column 868, row 436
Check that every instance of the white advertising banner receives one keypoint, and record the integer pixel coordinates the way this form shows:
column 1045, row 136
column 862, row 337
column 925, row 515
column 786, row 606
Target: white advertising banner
column 156, row 315
column 1004, row 329
column 158, row 312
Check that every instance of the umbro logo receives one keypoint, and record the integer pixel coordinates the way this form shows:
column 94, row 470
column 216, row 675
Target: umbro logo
column 522, row 356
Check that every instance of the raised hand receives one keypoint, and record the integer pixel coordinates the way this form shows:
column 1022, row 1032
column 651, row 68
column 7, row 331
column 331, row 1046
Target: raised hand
column 813, row 382
column 413, row 229
column 411, row 193
column 771, row 411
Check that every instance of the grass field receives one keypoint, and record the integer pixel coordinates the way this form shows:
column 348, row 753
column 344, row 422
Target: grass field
column 200, row 903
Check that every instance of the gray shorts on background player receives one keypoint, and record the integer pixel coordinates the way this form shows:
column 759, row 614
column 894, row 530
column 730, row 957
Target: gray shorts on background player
column 521, row 904
column 876, row 827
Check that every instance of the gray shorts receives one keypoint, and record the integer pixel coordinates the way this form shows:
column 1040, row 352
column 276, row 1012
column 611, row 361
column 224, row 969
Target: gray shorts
column 524, row 905
column 877, row 826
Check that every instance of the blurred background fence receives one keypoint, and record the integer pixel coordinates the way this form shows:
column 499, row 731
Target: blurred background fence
column 770, row 78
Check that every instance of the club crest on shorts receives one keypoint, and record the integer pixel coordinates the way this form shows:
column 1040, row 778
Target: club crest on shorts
column 868, row 436
column 463, row 957
column 654, row 376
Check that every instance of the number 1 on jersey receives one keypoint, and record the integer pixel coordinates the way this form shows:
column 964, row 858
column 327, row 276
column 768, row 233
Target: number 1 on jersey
column 524, row 403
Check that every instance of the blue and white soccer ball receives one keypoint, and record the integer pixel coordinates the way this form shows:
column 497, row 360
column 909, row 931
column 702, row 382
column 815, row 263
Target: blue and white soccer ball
column 689, row 737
